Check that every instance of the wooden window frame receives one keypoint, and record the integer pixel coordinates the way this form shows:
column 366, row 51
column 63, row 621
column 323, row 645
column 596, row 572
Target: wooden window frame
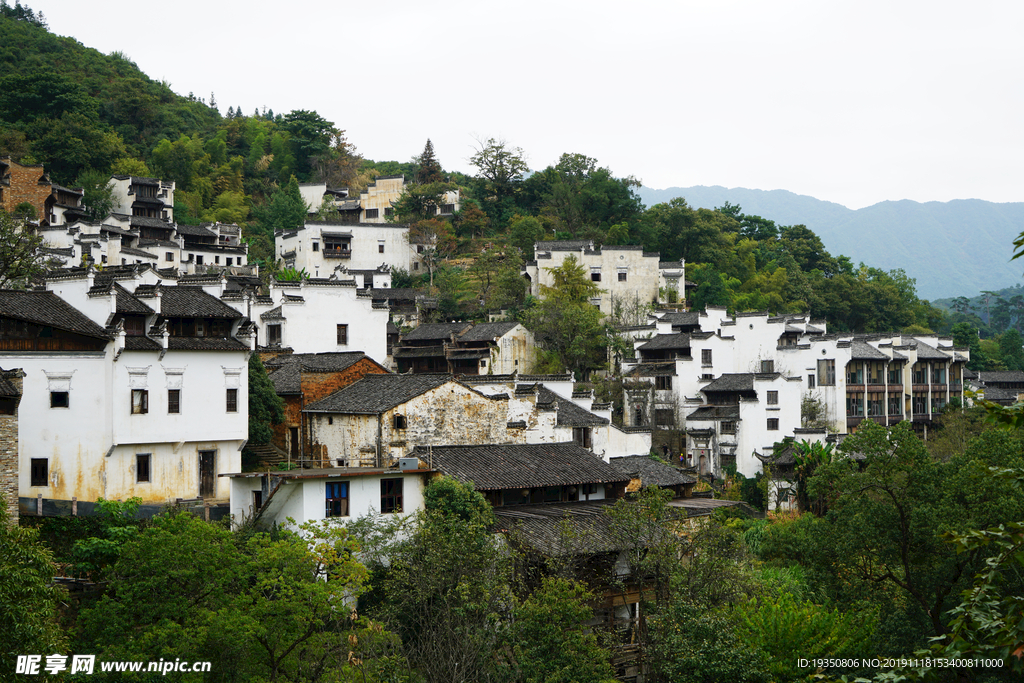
column 336, row 499
column 391, row 494
column 140, row 401
column 143, row 471
column 174, row 401
column 231, row 400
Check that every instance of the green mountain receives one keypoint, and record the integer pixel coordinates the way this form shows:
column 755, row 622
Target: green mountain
column 956, row 248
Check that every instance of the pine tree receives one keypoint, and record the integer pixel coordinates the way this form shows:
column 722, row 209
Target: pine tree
column 429, row 170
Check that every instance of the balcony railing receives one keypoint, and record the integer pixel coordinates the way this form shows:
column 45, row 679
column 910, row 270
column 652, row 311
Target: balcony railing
column 337, row 253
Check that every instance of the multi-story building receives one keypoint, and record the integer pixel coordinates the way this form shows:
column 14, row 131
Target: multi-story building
column 323, row 249
column 130, row 390
column 143, row 197
column 630, row 279
column 760, row 378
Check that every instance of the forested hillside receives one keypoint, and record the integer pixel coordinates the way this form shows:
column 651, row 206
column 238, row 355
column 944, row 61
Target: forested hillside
column 85, row 115
column 956, row 248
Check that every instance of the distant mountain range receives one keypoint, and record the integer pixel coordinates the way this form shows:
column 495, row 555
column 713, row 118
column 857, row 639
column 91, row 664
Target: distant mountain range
column 956, row 248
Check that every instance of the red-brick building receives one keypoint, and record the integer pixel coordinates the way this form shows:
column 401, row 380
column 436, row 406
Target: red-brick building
column 301, row 379
column 20, row 184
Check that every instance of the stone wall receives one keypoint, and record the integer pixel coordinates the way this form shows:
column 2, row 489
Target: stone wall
column 9, row 444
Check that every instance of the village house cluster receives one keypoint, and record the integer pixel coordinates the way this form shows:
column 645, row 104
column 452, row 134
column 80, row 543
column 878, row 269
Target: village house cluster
column 125, row 372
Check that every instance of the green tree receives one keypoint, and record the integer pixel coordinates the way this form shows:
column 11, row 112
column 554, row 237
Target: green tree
column 258, row 606
column 437, row 238
column 20, row 257
column 429, row 170
column 265, row 406
column 500, row 165
column 28, row 598
column 285, row 211
column 446, row 588
column 566, row 323
column 523, row 232
column 550, row 639
column 310, row 137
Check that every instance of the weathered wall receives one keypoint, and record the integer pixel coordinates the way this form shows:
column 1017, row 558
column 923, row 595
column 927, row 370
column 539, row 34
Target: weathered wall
column 9, row 450
column 451, row 415
column 24, row 186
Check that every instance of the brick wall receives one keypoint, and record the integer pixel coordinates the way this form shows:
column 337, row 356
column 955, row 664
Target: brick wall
column 315, row 386
column 22, row 184
column 9, row 449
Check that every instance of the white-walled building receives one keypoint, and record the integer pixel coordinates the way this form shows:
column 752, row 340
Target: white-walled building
column 630, row 279
column 316, row 316
column 794, row 374
column 341, row 493
column 144, row 197
column 322, row 249
column 128, row 394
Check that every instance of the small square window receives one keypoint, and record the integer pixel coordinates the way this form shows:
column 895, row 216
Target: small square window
column 316, row 246
column 142, row 467
column 59, row 399
column 773, row 424
column 767, row 366
column 342, row 335
column 595, row 277
column 232, row 400
column 419, row 248
column 216, row 259
column 169, row 256
column 372, row 213
column 705, row 356
column 416, row 266
column 400, row 422
column 663, row 382
column 622, row 276
column 199, row 259
column 380, row 248
column 40, row 472
column 230, row 261
column 174, row 401
column 773, row 398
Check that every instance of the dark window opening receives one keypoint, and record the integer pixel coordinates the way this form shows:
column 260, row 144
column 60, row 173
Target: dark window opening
column 274, row 335
column 767, row 366
column 773, row 398
column 705, row 356
column 372, row 213
column 391, row 495
column 142, row 467
column 174, row 401
column 664, row 417
column 232, row 400
column 40, row 472
column 773, row 424
column 622, row 276
column 581, row 436
column 59, row 399
column 663, row 382
column 342, row 335
column 400, row 422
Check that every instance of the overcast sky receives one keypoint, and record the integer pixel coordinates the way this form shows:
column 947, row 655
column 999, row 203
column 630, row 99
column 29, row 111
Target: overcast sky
column 851, row 102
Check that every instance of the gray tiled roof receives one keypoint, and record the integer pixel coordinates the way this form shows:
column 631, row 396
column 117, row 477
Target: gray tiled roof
column 682, row 318
column 194, row 231
column 487, row 331
column 139, row 343
column 732, row 382
column 652, row 472
column 564, row 245
column 1000, row 376
column 138, row 252
column 432, row 331
column 864, row 351
column 715, row 413
column 926, row 352
column 569, row 414
column 205, row 344
column 377, row 393
column 143, row 221
column 46, row 308
column 680, row 340
column 510, row 466
column 127, row 303
column 563, row 528
column 193, row 302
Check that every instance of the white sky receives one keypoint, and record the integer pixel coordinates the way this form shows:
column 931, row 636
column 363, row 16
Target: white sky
column 851, row 102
